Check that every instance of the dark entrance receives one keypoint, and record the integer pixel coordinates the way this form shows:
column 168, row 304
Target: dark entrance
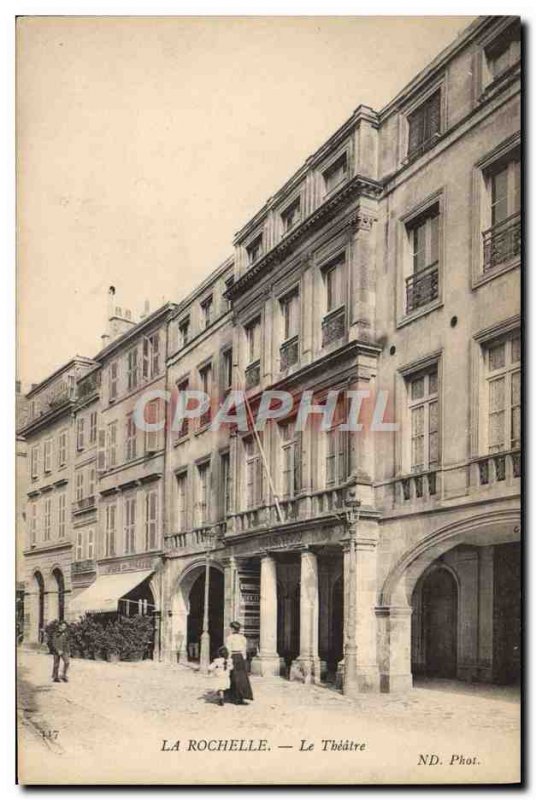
column 440, row 623
column 40, row 585
column 506, row 613
column 60, row 583
column 336, row 650
column 215, row 617
column 288, row 621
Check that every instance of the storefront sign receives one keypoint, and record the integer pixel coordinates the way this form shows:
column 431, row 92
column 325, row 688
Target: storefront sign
column 132, row 565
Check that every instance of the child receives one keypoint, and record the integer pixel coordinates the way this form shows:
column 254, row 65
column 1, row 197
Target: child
column 221, row 668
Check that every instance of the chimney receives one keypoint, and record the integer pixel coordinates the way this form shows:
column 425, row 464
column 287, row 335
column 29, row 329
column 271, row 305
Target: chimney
column 146, row 310
column 105, row 338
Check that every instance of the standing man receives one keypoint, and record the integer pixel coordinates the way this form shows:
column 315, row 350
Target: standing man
column 60, row 650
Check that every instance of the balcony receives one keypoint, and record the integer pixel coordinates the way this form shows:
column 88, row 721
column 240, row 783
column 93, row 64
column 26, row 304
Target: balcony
column 253, row 375
column 288, row 353
column 422, row 287
column 497, row 468
column 333, row 326
column 192, row 541
column 502, row 242
column 421, row 486
column 306, row 506
column 84, row 504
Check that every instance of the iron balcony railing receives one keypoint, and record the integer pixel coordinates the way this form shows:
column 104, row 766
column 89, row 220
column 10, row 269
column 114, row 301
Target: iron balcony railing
column 333, row 326
column 422, row 287
column 288, row 353
column 502, row 242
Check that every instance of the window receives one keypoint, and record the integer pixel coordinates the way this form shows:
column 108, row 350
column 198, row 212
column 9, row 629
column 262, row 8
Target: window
column 336, row 173
column 33, row 523
column 130, row 524
column 151, row 509
column 225, row 483
column 93, row 427
column 333, row 276
column 337, row 444
column 253, row 341
column 184, row 329
column 47, row 455
column 151, row 356
column 111, row 442
column 153, row 412
column 424, row 125
column 79, row 486
column 255, row 250
column 203, row 489
column 132, row 369
column 423, row 404
column 504, row 394
column 62, row 448
column 290, row 459
column 422, row 286
column 182, row 387
column 291, row 216
column 205, row 378
column 130, row 438
column 91, row 488
column 501, row 54
column 114, row 375
column 182, row 502
column 80, row 433
column 253, row 473
column 34, row 461
column 61, row 515
column 502, row 238
column 79, row 545
column 207, row 309
column 227, row 370
column 290, row 311
column 109, row 539
column 91, row 544
column 47, row 519
column 334, row 321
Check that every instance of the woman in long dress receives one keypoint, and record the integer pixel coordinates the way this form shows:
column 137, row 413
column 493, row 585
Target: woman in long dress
column 236, row 644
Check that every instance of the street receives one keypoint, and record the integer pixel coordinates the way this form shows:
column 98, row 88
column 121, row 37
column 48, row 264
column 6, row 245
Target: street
column 153, row 723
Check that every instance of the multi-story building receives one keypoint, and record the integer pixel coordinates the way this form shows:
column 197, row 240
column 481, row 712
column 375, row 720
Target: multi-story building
column 389, row 264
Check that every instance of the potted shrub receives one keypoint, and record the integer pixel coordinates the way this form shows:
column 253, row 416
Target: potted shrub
column 113, row 641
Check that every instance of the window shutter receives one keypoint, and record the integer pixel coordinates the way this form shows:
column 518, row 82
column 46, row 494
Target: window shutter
column 146, row 358
column 101, row 450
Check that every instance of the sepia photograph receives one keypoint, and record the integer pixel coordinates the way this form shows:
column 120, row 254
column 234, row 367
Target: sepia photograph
column 268, row 400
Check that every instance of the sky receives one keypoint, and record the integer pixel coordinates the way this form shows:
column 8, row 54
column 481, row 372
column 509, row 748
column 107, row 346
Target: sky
column 144, row 144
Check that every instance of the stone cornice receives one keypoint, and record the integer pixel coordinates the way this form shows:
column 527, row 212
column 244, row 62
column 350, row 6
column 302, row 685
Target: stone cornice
column 356, row 186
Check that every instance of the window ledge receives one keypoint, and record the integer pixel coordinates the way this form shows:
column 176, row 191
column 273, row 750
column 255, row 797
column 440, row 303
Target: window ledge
column 420, row 312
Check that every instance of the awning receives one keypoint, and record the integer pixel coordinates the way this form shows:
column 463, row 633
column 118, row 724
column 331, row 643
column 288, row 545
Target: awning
column 105, row 593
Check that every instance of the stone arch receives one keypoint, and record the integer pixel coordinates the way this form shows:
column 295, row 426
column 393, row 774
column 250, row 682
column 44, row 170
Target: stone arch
column 429, row 635
column 400, row 582
column 37, row 608
column 57, row 592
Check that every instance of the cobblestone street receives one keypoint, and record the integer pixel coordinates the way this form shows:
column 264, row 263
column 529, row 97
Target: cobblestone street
column 109, row 723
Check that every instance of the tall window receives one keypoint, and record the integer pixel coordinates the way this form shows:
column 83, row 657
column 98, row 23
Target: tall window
column 93, row 427
column 336, row 173
column 207, row 311
column 153, row 415
column 132, row 368
column 504, row 394
column 111, row 442
column 205, row 377
column 61, row 515
column 337, row 444
column 290, row 311
column 333, row 277
column 79, row 545
column 184, row 332
column 47, row 455
column 290, row 459
column 291, row 216
column 130, row 524
column 424, row 125
column 91, row 488
column 79, row 486
column 422, row 286
column 62, row 448
column 182, row 387
column 182, row 501
column 151, row 519
column 151, row 356
column 502, row 54
column 253, row 341
column 130, row 438
column 114, row 379
column 255, row 250
column 253, row 473
column 80, row 433
column 34, row 461
column 91, row 543
column 109, row 531
column 33, row 523
column 227, row 370
column 203, row 489
column 423, row 403
column 505, row 185
column 47, row 521
column 225, row 483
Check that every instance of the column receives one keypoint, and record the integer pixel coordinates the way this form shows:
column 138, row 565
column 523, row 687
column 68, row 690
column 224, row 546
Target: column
column 485, row 613
column 394, row 648
column 267, row 662
column 368, row 679
column 230, row 589
column 307, row 666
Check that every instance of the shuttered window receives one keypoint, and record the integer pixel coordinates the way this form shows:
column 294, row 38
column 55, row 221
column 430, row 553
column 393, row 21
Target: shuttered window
column 424, row 125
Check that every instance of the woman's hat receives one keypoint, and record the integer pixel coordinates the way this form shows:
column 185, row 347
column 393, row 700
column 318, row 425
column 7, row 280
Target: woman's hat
column 235, row 626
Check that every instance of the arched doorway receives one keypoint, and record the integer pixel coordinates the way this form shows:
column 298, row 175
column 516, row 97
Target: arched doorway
column 39, row 585
column 435, row 635
column 196, row 606
column 57, row 574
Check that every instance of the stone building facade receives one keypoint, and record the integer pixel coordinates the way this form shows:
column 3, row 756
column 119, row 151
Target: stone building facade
column 389, row 264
